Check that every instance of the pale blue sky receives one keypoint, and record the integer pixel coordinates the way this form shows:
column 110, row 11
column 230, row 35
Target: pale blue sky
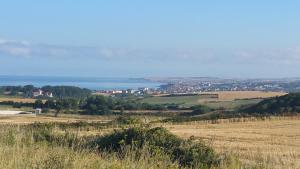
column 150, row 38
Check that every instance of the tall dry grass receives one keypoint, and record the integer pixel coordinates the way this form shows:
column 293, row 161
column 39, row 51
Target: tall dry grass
column 19, row 150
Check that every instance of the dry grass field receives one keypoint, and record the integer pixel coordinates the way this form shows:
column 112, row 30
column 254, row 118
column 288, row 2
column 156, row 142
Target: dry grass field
column 269, row 143
column 264, row 143
column 32, row 118
column 226, row 99
column 15, row 99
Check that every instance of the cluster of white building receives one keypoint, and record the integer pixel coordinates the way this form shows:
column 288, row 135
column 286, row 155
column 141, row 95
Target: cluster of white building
column 138, row 91
column 40, row 92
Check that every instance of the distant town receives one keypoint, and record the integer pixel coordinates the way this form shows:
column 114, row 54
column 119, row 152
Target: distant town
column 206, row 84
column 166, row 86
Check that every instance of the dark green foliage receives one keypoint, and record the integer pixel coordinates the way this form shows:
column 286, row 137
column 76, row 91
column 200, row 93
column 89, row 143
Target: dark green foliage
column 128, row 120
column 129, row 104
column 172, row 106
column 38, row 104
column 118, row 139
column 67, row 91
column 101, row 105
column 58, row 105
column 17, row 104
column 156, row 141
column 195, row 154
column 198, row 110
column 58, row 91
column 159, row 140
column 284, row 104
column 14, row 90
column 98, row 105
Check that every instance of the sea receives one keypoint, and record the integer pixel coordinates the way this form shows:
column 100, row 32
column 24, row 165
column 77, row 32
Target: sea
column 93, row 83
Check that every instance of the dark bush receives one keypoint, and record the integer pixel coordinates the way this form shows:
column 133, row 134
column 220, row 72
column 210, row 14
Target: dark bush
column 128, row 120
column 187, row 153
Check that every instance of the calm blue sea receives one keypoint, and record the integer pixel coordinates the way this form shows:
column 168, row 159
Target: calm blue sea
column 83, row 82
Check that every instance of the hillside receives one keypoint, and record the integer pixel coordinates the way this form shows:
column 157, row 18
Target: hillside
column 289, row 103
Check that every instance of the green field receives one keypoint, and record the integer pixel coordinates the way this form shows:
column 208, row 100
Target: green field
column 188, row 101
column 185, row 101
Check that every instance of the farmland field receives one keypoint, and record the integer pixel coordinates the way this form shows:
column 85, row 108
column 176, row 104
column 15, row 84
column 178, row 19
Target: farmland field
column 231, row 99
column 182, row 100
column 270, row 143
column 16, row 99
column 233, row 95
column 273, row 143
column 32, row 118
column 253, row 142
column 231, row 104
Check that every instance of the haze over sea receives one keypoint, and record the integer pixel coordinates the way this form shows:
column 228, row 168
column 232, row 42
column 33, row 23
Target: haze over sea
column 93, row 83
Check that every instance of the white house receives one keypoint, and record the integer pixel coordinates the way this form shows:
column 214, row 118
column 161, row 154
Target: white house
column 37, row 93
column 48, row 94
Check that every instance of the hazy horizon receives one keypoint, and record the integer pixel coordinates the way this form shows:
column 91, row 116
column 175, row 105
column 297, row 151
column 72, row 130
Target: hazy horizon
column 143, row 77
column 132, row 39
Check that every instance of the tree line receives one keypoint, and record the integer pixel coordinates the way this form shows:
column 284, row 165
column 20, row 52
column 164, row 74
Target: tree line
column 96, row 105
column 57, row 91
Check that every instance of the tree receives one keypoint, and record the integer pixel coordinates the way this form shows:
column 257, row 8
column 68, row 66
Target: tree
column 38, row 104
column 59, row 105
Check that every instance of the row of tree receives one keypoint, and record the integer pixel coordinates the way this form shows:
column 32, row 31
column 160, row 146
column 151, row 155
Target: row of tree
column 98, row 105
column 57, row 91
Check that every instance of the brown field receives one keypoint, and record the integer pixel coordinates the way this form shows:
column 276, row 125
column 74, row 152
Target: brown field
column 272, row 143
column 23, row 100
column 233, row 95
column 32, row 118
column 226, row 99
column 267, row 143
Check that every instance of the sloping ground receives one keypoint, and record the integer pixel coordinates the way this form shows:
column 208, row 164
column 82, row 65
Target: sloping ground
column 273, row 143
column 283, row 104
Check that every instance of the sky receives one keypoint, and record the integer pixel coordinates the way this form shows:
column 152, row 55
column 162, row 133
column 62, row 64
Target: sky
column 253, row 39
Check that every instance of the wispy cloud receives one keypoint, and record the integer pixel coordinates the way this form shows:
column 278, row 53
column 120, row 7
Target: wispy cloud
column 15, row 48
column 269, row 56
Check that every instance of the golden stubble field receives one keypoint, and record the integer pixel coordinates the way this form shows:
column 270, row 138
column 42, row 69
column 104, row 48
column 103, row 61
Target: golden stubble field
column 23, row 100
column 64, row 118
column 271, row 143
column 268, row 143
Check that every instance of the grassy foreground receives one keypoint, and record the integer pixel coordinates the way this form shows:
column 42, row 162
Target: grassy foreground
column 62, row 143
column 62, row 146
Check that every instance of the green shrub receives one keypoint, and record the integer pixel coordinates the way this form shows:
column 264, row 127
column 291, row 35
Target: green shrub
column 159, row 141
column 127, row 120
